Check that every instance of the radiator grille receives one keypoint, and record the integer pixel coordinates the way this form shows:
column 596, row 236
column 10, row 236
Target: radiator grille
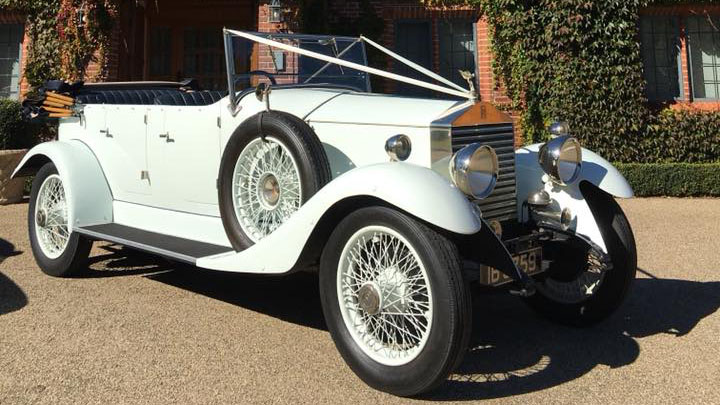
column 501, row 204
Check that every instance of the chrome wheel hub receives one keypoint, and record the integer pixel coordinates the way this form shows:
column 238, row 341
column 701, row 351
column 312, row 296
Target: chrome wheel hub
column 270, row 190
column 384, row 295
column 41, row 217
column 369, row 298
column 266, row 187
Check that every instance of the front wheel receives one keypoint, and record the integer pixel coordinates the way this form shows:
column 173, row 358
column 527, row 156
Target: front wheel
column 395, row 301
column 582, row 286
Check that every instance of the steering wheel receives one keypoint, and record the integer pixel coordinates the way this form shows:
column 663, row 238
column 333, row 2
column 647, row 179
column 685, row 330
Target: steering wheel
column 269, row 75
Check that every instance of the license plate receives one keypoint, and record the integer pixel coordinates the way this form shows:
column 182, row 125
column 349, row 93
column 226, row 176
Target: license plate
column 529, row 261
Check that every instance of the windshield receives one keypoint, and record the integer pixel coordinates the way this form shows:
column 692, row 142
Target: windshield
column 255, row 63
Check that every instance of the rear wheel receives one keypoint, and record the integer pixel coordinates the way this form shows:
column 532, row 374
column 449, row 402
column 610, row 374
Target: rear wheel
column 57, row 251
column 395, row 300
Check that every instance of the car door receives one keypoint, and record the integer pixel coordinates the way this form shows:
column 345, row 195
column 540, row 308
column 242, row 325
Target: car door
column 125, row 153
column 184, row 157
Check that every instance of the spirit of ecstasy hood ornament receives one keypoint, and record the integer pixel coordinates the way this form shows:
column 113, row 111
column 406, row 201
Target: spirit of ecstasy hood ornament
column 469, row 76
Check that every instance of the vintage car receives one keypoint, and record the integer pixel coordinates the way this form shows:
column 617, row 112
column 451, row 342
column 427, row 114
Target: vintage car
column 401, row 204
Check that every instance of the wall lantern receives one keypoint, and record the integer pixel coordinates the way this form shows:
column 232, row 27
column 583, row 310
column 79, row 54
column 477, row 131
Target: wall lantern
column 275, row 12
column 80, row 17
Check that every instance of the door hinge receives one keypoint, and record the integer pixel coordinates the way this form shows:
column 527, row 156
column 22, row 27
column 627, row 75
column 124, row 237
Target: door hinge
column 144, row 175
column 218, row 122
column 145, row 119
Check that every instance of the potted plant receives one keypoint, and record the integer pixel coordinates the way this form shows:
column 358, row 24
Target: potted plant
column 16, row 135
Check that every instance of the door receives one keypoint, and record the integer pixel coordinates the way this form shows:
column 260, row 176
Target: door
column 125, row 151
column 413, row 41
column 184, row 158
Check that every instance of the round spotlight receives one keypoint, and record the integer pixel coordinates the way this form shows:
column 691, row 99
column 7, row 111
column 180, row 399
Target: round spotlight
column 561, row 159
column 474, row 170
column 398, row 147
column 559, row 128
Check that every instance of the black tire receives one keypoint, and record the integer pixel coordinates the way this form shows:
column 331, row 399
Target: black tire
column 302, row 143
column 449, row 334
column 73, row 261
column 616, row 284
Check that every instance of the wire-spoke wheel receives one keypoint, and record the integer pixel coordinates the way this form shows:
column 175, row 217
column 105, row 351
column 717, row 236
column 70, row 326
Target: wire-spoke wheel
column 51, row 227
column 384, row 295
column 266, row 187
column 395, row 300
column 584, row 286
column 272, row 164
column 58, row 251
column 581, row 288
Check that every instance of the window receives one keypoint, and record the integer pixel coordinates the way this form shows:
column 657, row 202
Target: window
column 661, row 57
column 204, row 57
column 704, row 46
column 11, row 36
column 413, row 41
column 161, row 53
column 457, row 49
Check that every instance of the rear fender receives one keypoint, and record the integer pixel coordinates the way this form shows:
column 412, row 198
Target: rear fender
column 86, row 188
column 415, row 190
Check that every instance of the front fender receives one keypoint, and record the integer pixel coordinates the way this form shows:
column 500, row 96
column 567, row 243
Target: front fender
column 86, row 190
column 595, row 170
column 419, row 191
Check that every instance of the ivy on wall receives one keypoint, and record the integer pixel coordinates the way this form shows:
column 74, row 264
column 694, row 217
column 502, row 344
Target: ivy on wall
column 65, row 36
column 580, row 61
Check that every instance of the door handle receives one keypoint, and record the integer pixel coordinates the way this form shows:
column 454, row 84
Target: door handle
column 106, row 132
column 167, row 137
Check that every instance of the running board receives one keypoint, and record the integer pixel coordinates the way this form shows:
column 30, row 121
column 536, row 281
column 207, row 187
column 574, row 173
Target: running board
column 183, row 250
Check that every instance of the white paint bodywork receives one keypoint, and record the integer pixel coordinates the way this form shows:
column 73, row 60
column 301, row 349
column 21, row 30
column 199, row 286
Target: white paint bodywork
column 86, row 189
column 417, row 190
column 155, row 167
column 595, row 170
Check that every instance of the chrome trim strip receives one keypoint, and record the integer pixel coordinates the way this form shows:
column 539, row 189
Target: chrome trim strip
column 441, row 138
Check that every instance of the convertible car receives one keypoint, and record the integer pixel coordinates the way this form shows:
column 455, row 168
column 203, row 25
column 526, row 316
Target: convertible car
column 403, row 205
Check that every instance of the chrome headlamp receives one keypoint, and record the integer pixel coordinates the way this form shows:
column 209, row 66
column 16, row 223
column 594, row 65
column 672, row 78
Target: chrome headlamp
column 398, row 147
column 561, row 159
column 474, row 170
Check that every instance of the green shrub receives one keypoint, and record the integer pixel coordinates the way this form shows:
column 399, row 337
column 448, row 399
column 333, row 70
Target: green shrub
column 16, row 133
column 681, row 137
column 673, row 179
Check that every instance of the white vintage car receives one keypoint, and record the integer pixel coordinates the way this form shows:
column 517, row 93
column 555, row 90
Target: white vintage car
column 401, row 204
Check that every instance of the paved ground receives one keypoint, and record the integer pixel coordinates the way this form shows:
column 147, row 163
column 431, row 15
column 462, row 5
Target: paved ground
column 140, row 330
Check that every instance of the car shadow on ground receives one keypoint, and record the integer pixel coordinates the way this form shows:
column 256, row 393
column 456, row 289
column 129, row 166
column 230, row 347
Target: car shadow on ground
column 12, row 296
column 513, row 351
column 120, row 261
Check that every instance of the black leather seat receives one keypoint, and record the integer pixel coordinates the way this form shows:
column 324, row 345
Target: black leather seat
column 123, row 96
column 192, row 98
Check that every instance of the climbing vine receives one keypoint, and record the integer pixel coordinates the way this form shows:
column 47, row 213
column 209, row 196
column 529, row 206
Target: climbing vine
column 65, row 36
column 580, row 61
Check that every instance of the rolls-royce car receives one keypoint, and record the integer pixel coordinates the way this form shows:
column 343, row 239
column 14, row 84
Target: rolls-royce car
column 407, row 207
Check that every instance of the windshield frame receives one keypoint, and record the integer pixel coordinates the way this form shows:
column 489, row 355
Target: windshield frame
column 272, row 40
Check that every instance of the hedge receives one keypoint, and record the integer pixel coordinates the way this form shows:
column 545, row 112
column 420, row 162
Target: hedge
column 686, row 136
column 673, row 179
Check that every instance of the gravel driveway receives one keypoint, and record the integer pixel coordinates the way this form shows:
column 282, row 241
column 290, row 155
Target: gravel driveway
column 143, row 330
